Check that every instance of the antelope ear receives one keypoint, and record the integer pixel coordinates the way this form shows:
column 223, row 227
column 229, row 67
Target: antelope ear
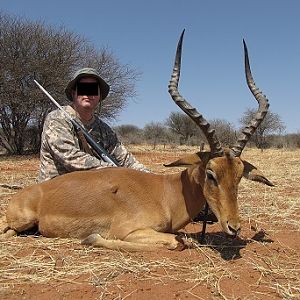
column 252, row 173
column 191, row 159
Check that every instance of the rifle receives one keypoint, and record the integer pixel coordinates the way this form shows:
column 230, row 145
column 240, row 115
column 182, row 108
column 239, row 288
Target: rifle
column 100, row 152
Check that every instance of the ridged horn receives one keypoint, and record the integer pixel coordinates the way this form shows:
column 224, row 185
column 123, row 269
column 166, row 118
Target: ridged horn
column 215, row 146
column 259, row 116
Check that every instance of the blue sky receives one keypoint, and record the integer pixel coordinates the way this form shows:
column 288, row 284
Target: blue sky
column 144, row 35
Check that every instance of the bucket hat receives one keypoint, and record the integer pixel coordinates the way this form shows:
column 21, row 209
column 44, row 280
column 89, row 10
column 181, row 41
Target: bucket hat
column 87, row 72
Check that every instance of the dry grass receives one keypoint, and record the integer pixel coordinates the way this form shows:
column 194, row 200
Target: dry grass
column 263, row 264
column 279, row 272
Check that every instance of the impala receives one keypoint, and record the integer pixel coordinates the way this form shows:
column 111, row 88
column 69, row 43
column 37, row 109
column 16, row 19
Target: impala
column 120, row 208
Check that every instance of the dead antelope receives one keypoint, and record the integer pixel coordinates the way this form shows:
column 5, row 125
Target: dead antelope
column 120, row 208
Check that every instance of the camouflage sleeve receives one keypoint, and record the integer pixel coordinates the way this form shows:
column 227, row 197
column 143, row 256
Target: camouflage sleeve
column 126, row 159
column 63, row 144
column 107, row 138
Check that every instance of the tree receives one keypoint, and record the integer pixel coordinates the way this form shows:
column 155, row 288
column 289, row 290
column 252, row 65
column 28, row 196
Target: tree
column 185, row 127
column 225, row 132
column 130, row 134
column 155, row 133
column 272, row 123
column 293, row 140
column 182, row 125
column 51, row 55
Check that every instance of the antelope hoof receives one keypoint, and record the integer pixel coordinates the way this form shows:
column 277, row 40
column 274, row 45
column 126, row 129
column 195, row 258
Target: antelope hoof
column 91, row 239
column 8, row 233
column 234, row 232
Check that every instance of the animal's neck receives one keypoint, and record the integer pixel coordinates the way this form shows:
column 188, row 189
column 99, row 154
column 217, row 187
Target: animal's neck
column 194, row 183
column 188, row 199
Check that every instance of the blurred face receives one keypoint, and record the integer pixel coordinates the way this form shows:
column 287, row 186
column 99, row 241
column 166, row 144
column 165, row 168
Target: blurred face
column 86, row 95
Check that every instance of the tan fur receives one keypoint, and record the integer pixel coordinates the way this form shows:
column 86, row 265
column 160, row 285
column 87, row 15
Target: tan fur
column 120, row 208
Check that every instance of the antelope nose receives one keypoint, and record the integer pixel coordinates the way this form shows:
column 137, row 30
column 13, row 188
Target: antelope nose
column 234, row 229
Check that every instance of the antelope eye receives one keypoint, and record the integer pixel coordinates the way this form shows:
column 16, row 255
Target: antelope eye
column 210, row 175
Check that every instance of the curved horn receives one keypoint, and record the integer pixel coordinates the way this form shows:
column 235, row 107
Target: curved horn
column 249, row 130
column 215, row 146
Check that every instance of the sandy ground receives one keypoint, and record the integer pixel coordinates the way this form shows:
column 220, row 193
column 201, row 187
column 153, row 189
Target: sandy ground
column 263, row 263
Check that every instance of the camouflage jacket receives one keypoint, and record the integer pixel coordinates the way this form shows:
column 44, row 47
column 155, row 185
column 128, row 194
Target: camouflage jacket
column 62, row 152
